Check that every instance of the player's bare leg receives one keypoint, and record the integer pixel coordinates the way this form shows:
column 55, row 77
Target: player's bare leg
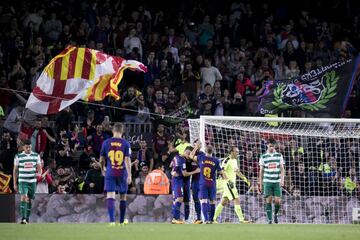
column 277, row 208
column 268, row 208
column 110, row 201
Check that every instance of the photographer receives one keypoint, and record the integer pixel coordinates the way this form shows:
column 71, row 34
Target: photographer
column 238, row 106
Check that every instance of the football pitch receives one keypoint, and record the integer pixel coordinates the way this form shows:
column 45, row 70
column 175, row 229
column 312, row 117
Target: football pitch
column 159, row 231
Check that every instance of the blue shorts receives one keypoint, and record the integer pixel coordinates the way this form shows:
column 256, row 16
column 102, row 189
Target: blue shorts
column 187, row 190
column 116, row 184
column 195, row 188
column 177, row 185
column 207, row 192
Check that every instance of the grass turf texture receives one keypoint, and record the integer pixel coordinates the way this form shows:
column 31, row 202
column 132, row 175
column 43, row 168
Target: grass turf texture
column 159, row 231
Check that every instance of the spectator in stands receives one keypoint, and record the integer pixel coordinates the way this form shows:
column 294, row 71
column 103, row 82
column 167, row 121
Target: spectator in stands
column 8, row 150
column 238, row 106
column 50, row 135
column 145, row 156
column 178, row 70
column 38, row 138
column 184, row 101
column 153, row 68
column 227, row 101
column 140, row 180
column 143, row 115
column 65, row 177
column 207, row 95
column 129, row 101
column 63, row 156
column 94, row 180
column 190, row 82
column 300, row 180
column 279, row 67
column 206, row 109
column 350, row 182
column 86, row 158
column 243, row 85
column 159, row 141
column 14, row 119
column 209, row 74
column 218, row 104
column 64, row 120
column 172, row 103
column 97, row 139
column 292, row 71
column 133, row 41
column 44, row 180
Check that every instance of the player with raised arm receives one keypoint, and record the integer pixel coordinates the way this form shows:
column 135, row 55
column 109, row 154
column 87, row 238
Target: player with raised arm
column 209, row 166
column 271, row 178
column 178, row 173
column 27, row 165
column 115, row 164
column 231, row 169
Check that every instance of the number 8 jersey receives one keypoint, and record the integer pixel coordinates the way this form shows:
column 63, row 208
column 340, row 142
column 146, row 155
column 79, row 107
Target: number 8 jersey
column 208, row 168
column 115, row 150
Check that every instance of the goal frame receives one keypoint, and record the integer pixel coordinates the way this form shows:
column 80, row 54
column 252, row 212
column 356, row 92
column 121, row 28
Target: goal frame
column 203, row 119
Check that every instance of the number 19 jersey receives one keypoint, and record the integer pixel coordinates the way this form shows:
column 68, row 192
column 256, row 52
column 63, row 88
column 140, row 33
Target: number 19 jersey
column 115, row 150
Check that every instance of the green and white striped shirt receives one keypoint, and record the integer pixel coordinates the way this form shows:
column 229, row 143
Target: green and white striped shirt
column 271, row 163
column 27, row 166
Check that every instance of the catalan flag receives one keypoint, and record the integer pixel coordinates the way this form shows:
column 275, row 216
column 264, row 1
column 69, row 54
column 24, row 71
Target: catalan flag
column 78, row 73
column 4, row 183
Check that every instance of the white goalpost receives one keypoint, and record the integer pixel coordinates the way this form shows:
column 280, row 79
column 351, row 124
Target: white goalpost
column 321, row 162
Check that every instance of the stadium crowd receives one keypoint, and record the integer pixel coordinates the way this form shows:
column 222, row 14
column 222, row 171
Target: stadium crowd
column 202, row 59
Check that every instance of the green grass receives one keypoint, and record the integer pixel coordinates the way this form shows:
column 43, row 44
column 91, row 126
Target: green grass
column 157, row 231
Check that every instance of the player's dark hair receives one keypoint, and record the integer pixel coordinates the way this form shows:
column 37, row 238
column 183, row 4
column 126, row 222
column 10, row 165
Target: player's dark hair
column 209, row 149
column 272, row 141
column 26, row 142
column 118, row 127
column 159, row 165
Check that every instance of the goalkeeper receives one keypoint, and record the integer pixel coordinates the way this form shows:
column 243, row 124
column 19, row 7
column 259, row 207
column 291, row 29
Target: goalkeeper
column 230, row 193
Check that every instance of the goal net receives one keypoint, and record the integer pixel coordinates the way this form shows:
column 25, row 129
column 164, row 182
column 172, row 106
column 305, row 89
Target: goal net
column 321, row 164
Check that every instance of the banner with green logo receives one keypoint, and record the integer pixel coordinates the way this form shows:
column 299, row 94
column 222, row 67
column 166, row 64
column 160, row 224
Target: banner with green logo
column 322, row 92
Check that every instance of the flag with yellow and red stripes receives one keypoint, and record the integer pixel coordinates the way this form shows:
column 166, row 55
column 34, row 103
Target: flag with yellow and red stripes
column 4, row 183
column 78, row 73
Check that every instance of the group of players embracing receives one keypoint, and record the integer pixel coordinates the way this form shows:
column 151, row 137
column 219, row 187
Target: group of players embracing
column 196, row 171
